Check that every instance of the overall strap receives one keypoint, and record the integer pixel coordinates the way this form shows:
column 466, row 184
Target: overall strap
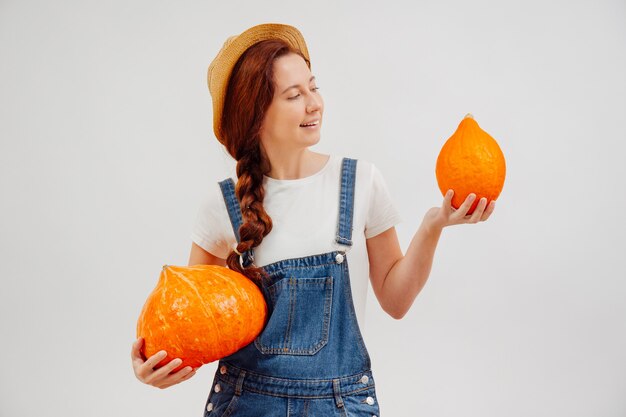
column 234, row 213
column 346, row 202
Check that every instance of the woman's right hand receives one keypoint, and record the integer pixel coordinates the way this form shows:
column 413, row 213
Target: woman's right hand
column 160, row 378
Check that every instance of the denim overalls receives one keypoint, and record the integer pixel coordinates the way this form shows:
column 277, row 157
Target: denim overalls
column 310, row 359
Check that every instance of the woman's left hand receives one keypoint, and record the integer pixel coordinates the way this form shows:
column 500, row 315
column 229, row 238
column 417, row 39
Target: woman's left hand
column 439, row 217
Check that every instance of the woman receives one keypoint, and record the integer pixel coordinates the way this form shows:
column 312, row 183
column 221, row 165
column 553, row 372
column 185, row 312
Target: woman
column 326, row 213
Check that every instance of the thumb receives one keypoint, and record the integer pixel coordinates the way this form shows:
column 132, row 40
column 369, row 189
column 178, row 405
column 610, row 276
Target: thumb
column 136, row 353
column 447, row 200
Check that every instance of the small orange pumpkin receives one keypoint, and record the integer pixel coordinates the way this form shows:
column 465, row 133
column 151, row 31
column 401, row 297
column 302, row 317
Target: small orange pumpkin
column 471, row 162
column 200, row 314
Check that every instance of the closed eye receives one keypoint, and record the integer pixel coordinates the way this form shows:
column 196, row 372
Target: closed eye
column 298, row 95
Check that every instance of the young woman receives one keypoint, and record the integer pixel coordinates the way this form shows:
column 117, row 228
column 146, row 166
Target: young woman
column 332, row 225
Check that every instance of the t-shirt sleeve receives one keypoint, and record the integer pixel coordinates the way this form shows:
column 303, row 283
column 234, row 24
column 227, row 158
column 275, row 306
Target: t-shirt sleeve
column 382, row 214
column 212, row 230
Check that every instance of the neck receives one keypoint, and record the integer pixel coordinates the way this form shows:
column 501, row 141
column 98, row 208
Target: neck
column 293, row 165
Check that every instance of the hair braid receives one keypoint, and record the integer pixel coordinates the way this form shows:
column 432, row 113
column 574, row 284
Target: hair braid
column 256, row 222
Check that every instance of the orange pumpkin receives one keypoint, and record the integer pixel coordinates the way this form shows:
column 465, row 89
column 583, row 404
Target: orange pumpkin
column 200, row 314
column 471, row 162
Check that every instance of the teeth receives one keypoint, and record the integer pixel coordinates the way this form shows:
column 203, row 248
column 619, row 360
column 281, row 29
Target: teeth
column 310, row 124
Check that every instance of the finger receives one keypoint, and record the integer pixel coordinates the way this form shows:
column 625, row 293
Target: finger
column 145, row 370
column 165, row 377
column 462, row 211
column 165, row 370
column 135, row 352
column 447, row 200
column 158, row 377
column 478, row 211
column 155, row 359
column 180, row 376
column 490, row 209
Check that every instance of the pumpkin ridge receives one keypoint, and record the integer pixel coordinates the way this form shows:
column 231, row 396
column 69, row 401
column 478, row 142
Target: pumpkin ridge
column 206, row 310
column 236, row 288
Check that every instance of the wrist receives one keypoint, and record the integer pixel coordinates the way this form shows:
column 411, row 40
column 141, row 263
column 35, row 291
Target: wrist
column 431, row 227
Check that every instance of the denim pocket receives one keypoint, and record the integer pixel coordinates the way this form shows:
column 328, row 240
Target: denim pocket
column 300, row 318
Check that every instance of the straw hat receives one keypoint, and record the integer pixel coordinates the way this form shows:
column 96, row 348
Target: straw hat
column 223, row 64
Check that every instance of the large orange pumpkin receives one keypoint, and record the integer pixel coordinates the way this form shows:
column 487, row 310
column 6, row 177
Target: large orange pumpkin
column 200, row 314
column 471, row 162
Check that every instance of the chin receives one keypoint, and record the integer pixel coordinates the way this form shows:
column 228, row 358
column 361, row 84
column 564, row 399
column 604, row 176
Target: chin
column 312, row 140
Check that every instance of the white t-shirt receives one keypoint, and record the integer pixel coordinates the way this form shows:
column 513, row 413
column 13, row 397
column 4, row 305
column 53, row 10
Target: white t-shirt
column 304, row 216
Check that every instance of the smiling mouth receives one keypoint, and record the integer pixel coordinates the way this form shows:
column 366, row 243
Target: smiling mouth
column 312, row 124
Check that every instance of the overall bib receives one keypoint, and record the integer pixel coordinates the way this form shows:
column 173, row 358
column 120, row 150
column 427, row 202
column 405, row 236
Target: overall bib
column 310, row 359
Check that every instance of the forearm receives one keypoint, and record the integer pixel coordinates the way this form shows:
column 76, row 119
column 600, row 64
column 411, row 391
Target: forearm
column 407, row 277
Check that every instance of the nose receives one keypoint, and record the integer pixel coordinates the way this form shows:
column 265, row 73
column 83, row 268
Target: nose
column 314, row 104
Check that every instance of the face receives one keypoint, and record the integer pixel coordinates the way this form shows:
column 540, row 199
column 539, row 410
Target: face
column 296, row 102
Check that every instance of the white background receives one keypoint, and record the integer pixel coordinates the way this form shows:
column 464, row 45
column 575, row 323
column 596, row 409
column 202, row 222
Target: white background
column 107, row 150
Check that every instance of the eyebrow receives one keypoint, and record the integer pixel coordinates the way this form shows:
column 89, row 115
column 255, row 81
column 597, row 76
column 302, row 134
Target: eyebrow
column 296, row 85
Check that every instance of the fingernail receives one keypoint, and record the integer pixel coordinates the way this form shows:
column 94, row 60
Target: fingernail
column 177, row 361
column 162, row 353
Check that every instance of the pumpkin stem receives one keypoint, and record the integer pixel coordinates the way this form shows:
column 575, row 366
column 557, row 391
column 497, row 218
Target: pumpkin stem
column 469, row 115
